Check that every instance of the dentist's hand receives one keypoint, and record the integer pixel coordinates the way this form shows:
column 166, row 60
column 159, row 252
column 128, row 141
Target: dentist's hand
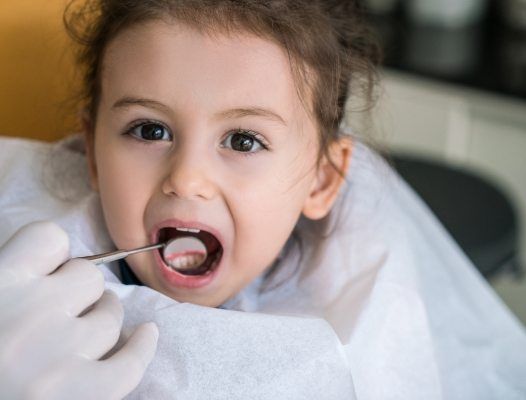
column 57, row 322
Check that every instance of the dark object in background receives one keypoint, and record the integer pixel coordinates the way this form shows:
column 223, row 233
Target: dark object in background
column 448, row 53
column 475, row 212
column 447, row 14
column 512, row 55
column 514, row 13
column 488, row 53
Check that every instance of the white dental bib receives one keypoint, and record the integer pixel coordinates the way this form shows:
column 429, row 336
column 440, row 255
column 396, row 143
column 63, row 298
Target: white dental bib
column 373, row 302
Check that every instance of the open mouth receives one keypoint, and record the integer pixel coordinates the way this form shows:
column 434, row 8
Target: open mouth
column 197, row 252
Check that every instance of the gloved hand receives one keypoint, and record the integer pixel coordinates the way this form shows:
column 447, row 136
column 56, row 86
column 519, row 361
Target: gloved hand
column 57, row 322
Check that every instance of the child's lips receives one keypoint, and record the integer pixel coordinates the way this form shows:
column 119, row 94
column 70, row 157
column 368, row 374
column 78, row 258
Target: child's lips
column 177, row 279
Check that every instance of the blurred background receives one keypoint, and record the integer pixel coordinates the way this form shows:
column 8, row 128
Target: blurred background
column 451, row 116
column 451, row 111
column 37, row 76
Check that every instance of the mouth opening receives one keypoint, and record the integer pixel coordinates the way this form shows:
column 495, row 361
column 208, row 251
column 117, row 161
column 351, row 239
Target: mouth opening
column 214, row 251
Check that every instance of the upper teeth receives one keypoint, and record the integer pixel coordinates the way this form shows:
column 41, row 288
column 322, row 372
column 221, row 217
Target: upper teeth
column 188, row 230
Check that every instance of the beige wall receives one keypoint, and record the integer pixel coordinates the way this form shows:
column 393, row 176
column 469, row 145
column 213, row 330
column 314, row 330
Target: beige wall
column 36, row 67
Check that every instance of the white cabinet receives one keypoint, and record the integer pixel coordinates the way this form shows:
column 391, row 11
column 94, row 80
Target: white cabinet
column 410, row 118
column 498, row 148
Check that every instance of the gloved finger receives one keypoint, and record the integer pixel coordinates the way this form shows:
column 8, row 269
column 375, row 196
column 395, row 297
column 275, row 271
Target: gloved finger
column 126, row 367
column 76, row 286
column 99, row 329
column 35, row 249
column 113, row 378
column 72, row 378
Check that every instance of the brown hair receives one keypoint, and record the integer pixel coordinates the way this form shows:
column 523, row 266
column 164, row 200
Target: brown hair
column 328, row 45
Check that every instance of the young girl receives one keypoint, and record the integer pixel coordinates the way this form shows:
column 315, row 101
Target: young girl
column 222, row 121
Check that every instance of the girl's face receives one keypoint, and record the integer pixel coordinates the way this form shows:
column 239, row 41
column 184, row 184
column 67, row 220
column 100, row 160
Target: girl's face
column 208, row 133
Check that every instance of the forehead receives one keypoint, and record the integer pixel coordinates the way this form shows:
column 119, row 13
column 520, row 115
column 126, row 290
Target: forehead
column 180, row 66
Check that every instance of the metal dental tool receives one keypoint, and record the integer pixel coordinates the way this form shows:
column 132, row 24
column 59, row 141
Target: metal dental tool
column 172, row 246
column 119, row 254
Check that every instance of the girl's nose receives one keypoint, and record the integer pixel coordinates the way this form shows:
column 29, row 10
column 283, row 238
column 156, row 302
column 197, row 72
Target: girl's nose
column 189, row 178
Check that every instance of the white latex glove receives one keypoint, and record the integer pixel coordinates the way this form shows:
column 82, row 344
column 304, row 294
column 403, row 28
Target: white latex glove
column 56, row 324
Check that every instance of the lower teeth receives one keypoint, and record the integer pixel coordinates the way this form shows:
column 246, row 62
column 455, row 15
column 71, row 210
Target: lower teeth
column 187, row 262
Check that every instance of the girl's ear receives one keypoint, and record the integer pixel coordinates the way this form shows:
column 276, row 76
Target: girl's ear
column 327, row 184
column 89, row 138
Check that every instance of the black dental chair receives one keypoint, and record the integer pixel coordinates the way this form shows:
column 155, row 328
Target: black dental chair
column 476, row 212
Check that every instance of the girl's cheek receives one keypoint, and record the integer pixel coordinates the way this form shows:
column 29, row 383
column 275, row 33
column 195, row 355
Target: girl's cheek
column 122, row 179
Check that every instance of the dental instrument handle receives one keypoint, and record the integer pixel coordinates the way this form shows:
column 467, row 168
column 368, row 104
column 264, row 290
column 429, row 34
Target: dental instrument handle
column 119, row 254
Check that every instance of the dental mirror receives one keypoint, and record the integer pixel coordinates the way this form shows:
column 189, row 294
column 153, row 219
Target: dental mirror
column 184, row 253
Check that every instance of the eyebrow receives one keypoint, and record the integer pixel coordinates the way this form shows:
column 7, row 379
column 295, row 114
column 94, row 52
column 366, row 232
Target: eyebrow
column 228, row 114
column 252, row 111
column 133, row 101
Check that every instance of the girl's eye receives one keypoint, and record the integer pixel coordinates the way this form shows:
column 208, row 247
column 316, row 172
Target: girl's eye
column 150, row 131
column 244, row 141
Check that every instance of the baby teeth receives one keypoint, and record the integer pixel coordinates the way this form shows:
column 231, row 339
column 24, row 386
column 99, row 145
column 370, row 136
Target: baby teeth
column 186, row 262
column 188, row 230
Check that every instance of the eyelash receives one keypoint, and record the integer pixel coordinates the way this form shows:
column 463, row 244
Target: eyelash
column 254, row 135
column 137, row 124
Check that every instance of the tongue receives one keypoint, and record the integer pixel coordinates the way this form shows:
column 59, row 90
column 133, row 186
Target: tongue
column 185, row 253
